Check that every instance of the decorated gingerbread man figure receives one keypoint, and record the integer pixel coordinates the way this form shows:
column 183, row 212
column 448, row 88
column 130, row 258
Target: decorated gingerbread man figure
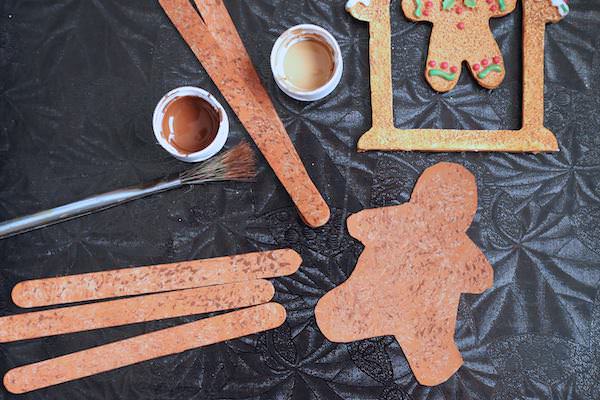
column 461, row 32
column 407, row 283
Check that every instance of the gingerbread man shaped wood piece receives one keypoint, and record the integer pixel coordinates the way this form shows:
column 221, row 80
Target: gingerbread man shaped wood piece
column 407, row 283
column 461, row 32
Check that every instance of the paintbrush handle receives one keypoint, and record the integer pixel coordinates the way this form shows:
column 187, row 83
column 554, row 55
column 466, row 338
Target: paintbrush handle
column 84, row 207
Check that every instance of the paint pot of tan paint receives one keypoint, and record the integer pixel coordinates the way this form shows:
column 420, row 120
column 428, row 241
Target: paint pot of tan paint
column 307, row 62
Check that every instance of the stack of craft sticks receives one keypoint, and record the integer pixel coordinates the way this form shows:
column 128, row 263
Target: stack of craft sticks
column 155, row 292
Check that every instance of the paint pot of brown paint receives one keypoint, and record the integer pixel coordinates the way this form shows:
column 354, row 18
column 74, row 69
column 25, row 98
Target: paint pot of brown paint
column 307, row 62
column 190, row 124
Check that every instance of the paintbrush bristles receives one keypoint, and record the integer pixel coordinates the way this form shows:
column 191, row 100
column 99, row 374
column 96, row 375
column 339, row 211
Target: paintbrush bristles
column 236, row 164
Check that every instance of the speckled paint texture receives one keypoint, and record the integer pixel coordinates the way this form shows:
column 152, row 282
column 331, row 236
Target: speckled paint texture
column 134, row 310
column 408, row 280
column 144, row 347
column 80, row 80
column 155, row 278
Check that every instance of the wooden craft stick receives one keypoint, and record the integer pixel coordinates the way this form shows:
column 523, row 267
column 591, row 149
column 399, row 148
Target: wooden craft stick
column 157, row 278
column 144, row 347
column 219, row 49
column 134, row 310
column 215, row 15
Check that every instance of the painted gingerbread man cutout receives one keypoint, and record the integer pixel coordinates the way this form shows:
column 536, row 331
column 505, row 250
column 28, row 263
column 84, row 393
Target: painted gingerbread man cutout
column 461, row 32
column 407, row 283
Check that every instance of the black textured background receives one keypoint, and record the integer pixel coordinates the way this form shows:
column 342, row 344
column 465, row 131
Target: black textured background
column 78, row 83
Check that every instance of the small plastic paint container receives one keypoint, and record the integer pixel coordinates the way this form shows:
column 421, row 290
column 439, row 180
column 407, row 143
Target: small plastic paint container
column 199, row 110
column 307, row 62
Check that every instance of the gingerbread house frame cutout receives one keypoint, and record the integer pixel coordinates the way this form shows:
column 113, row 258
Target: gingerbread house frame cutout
column 532, row 137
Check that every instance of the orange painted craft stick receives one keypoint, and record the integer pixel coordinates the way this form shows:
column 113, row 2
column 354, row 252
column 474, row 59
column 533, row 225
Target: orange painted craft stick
column 144, row 347
column 219, row 23
column 219, row 50
column 134, row 310
column 156, row 278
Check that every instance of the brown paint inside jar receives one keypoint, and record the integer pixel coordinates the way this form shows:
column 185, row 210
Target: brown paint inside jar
column 190, row 124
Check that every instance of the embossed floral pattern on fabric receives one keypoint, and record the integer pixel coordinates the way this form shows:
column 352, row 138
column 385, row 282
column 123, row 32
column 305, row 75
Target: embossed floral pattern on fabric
column 79, row 80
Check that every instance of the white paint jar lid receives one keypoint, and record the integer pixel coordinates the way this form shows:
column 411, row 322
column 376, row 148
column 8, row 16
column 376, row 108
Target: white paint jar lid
column 214, row 147
column 282, row 45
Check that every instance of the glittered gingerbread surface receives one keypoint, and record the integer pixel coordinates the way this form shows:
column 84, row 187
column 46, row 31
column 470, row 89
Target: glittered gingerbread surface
column 461, row 33
column 407, row 283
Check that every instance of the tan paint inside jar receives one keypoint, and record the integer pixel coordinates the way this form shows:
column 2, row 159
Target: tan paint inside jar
column 308, row 64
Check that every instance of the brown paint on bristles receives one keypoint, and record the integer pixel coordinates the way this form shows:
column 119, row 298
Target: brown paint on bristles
column 236, row 164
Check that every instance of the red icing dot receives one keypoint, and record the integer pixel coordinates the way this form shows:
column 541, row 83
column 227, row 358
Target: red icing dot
column 432, row 64
column 485, row 62
column 444, row 65
column 426, row 13
column 494, row 8
column 489, row 1
column 453, row 69
column 497, row 60
column 459, row 10
column 429, row 4
column 461, row 25
column 476, row 67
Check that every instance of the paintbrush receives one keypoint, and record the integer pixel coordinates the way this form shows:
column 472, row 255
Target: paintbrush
column 236, row 164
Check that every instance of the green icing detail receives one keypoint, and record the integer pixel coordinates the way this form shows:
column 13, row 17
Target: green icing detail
column 442, row 74
column 492, row 68
column 418, row 12
column 448, row 4
column 565, row 8
column 502, row 5
column 471, row 3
